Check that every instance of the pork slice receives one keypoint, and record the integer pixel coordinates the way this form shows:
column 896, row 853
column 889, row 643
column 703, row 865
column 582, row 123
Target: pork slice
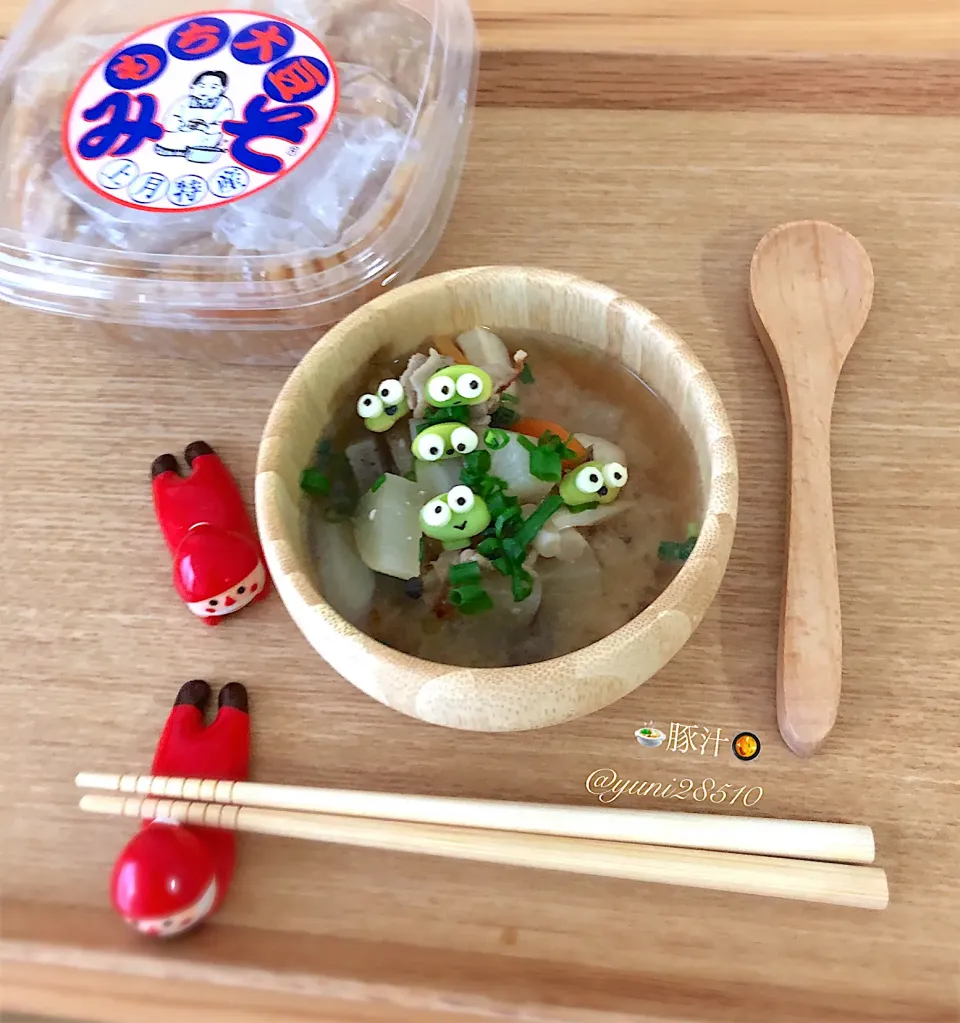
column 414, row 378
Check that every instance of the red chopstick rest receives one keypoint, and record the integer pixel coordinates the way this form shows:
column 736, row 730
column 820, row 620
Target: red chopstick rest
column 172, row 876
column 217, row 560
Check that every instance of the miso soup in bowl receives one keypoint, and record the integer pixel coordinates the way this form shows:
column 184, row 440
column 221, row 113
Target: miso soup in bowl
column 498, row 498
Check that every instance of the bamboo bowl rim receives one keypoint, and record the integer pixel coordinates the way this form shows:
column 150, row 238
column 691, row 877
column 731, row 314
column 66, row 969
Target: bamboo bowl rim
column 524, row 696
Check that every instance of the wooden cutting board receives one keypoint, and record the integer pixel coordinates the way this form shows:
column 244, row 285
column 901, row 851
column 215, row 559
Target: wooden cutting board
column 666, row 205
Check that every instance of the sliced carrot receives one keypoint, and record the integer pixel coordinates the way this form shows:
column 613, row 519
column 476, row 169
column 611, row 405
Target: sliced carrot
column 536, row 428
column 446, row 345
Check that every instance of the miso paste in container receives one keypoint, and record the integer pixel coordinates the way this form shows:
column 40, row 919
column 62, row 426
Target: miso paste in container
column 227, row 183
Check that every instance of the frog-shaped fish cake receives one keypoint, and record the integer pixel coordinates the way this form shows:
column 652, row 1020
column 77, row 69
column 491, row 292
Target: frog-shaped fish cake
column 459, row 385
column 381, row 410
column 445, row 440
column 455, row 517
column 593, row 481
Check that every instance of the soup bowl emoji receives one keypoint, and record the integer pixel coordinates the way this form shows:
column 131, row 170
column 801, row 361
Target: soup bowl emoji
column 649, row 737
column 398, row 323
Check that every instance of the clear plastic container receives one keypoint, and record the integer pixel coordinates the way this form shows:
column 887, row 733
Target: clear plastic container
column 88, row 229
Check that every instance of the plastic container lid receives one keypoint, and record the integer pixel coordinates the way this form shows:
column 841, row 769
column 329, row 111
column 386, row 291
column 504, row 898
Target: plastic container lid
column 241, row 167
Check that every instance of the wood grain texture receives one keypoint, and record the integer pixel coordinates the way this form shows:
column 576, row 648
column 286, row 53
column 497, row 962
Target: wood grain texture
column 928, row 27
column 816, row 840
column 667, row 208
column 850, row 55
column 811, row 287
column 705, row 81
column 924, row 27
column 837, row 884
column 394, row 326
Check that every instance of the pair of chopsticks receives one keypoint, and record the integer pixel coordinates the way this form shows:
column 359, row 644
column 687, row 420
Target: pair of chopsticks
column 808, row 860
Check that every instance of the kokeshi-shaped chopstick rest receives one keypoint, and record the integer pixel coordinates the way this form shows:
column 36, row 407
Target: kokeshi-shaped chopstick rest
column 811, row 286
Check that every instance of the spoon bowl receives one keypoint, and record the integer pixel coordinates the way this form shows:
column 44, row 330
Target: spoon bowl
column 811, row 288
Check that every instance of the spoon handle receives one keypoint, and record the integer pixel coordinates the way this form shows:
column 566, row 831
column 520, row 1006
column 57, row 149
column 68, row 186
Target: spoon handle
column 809, row 667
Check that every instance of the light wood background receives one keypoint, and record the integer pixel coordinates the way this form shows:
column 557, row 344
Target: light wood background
column 729, row 27
column 866, row 56
column 666, row 206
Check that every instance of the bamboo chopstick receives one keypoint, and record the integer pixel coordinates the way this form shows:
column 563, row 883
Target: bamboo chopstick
column 834, row 883
column 813, row 840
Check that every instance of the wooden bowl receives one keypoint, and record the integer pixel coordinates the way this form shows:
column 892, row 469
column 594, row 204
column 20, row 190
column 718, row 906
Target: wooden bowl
column 532, row 695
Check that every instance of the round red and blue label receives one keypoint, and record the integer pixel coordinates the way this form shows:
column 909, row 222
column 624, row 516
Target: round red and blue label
column 201, row 110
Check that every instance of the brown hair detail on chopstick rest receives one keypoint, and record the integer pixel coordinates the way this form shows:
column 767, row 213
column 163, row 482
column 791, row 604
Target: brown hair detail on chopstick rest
column 690, row 850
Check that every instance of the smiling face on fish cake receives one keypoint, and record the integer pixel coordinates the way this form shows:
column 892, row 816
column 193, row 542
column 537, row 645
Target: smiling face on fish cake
column 455, row 517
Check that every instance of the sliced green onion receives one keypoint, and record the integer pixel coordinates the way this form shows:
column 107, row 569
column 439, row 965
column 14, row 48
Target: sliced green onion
column 477, row 461
column 465, row 572
column 514, row 549
column 526, row 374
column 503, row 418
column 509, row 399
column 378, row 482
column 538, row 519
column 491, row 485
column 489, row 548
column 454, row 414
column 526, row 442
column 496, row 439
column 464, row 594
column 478, row 605
column 314, row 482
column 671, row 550
column 546, row 465
column 499, row 503
column 507, row 521
column 521, row 584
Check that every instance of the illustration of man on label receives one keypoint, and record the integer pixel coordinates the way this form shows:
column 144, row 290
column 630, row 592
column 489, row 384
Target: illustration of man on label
column 192, row 126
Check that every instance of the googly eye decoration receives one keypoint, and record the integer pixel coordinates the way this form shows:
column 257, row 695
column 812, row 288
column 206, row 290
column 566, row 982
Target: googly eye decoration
column 429, row 447
column 369, row 406
column 463, row 440
column 390, row 392
column 615, row 474
column 461, row 500
column 469, row 385
column 589, row 480
column 436, row 513
column 441, row 388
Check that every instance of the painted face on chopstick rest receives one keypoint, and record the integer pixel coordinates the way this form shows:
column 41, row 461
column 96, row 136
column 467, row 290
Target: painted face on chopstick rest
column 228, row 601
column 178, row 923
column 459, row 385
column 455, row 517
column 445, row 440
column 593, row 482
column 381, row 410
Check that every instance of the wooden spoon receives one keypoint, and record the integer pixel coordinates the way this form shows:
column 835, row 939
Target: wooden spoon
column 811, row 285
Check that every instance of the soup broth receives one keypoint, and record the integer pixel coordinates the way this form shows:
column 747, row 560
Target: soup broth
column 601, row 575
